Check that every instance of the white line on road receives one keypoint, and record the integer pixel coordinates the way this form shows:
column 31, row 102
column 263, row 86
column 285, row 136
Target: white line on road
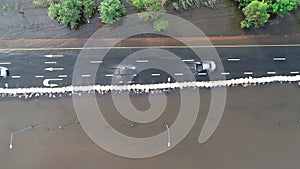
column 294, row 72
column 201, row 74
column 233, row 59
column 279, row 59
column 271, row 73
column 225, row 73
column 155, row 74
column 248, row 73
column 96, row 61
column 16, row 77
column 54, row 68
column 109, row 75
column 53, row 56
column 188, row 60
column 50, row 62
column 5, row 63
column 85, row 75
column 142, row 61
column 62, row 76
column 39, row 76
column 178, row 74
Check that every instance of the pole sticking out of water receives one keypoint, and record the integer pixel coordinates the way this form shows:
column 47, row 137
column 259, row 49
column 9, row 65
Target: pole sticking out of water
column 169, row 135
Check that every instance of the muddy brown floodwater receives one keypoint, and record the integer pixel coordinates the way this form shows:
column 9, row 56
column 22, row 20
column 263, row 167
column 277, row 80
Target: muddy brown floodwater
column 259, row 129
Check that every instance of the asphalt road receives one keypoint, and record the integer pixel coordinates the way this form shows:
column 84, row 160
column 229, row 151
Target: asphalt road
column 39, row 68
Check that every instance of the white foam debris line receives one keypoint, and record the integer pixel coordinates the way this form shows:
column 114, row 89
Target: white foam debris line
column 147, row 87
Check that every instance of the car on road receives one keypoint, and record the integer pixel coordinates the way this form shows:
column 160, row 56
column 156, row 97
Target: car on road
column 204, row 66
column 125, row 75
column 4, row 73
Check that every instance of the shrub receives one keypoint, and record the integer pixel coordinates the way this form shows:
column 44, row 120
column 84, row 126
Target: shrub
column 111, row 11
column 160, row 25
column 89, row 8
column 243, row 3
column 256, row 14
column 70, row 13
column 281, row 7
column 53, row 10
column 138, row 4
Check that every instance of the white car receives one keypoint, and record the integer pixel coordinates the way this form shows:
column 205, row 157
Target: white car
column 205, row 66
column 4, row 73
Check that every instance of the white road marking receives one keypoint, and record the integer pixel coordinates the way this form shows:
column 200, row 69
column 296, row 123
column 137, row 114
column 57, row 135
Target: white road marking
column 233, row 59
column 39, row 76
column 142, row 61
column 16, row 77
column 109, row 75
column 294, row 72
column 188, row 60
column 96, row 61
column 178, row 74
column 155, row 74
column 201, row 74
column 279, row 59
column 271, row 73
column 248, row 73
column 5, row 63
column 62, row 76
column 53, row 56
column 85, row 75
column 225, row 73
column 54, row 68
column 50, row 62
column 46, row 82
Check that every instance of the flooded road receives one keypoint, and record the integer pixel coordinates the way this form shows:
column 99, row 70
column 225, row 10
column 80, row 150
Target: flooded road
column 259, row 129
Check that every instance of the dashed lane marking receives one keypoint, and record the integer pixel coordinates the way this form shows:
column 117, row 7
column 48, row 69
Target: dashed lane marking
column 279, row 59
column 155, row 74
column 62, row 76
column 233, row 59
column 178, row 74
column 50, row 62
column 201, row 74
column 5, row 63
column 248, row 73
column 142, row 61
column 96, row 61
column 16, row 77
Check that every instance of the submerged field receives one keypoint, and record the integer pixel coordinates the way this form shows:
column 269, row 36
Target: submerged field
column 259, row 129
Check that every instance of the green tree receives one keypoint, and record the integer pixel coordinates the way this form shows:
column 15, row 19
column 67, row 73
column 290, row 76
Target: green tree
column 281, row 7
column 111, row 11
column 256, row 14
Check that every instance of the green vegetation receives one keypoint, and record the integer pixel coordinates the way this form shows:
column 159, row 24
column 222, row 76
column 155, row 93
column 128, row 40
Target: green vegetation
column 41, row 3
column 111, row 11
column 71, row 12
column 9, row 7
column 153, row 11
column 281, row 7
column 256, row 14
